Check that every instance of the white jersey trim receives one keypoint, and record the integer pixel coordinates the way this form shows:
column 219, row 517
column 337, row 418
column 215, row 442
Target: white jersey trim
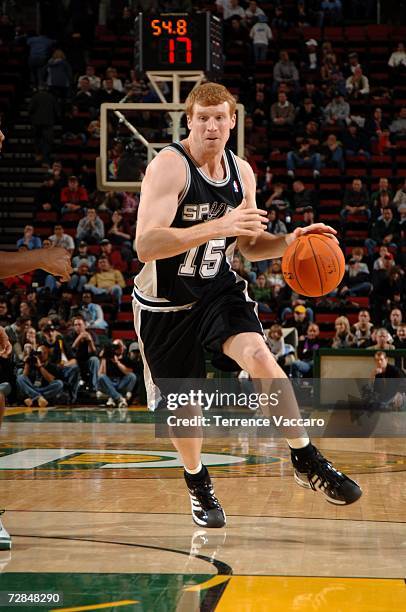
column 153, row 393
column 154, row 304
column 182, row 195
column 208, row 180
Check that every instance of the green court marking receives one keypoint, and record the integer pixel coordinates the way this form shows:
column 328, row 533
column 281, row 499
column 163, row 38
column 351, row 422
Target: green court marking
column 154, row 592
column 96, row 414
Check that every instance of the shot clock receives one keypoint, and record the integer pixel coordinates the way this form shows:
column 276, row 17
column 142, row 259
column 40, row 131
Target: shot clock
column 179, row 41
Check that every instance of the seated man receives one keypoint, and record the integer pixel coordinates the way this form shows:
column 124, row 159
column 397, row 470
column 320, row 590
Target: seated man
column 29, row 239
column 60, row 239
column 114, row 256
column 282, row 111
column 107, row 281
column 356, row 279
column 382, row 339
column 302, row 317
column 356, row 201
column 362, row 329
column 385, row 231
column 90, row 228
column 388, row 389
column 74, row 197
column 398, row 126
column 83, row 254
column 92, row 313
column 303, row 156
column 39, row 381
column 116, row 376
column 356, row 142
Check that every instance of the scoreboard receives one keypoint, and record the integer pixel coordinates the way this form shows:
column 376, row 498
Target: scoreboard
column 179, row 41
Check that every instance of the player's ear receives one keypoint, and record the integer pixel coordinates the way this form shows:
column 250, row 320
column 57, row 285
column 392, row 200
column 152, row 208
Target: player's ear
column 233, row 120
column 189, row 121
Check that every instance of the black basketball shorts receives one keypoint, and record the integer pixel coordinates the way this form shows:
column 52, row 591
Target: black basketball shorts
column 173, row 344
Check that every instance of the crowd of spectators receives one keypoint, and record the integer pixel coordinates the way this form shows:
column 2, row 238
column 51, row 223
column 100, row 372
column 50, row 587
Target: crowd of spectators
column 323, row 101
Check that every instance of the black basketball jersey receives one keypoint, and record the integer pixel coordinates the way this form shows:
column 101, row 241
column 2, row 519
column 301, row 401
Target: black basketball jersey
column 178, row 282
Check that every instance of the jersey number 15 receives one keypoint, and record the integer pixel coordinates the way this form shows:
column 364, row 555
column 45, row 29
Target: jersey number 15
column 211, row 261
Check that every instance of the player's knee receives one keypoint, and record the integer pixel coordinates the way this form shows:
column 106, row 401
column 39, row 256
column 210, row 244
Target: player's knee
column 257, row 356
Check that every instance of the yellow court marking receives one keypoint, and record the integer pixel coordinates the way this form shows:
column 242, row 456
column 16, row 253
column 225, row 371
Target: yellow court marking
column 18, row 410
column 111, row 604
column 301, row 594
column 109, row 458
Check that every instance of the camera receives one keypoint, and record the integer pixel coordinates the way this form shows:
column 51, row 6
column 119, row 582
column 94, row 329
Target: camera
column 110, row 350
column 32, row 357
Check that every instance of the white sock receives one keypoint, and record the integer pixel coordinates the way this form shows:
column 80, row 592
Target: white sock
column 298, row 442
column 196, row 470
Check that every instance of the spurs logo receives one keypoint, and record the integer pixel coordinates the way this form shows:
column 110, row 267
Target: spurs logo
column 218, row 209
column 205, row 212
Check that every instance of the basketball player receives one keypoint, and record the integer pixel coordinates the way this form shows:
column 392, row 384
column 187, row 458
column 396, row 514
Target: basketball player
column 55, row 261
column 197, row 204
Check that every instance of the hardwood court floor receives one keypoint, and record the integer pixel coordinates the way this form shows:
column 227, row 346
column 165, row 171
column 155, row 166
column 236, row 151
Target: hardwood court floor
column 98, row 509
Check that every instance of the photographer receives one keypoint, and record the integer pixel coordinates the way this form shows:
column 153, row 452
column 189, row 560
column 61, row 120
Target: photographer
column 60, row 355
column 39, row 382
column 83, row 347
column 116, row 376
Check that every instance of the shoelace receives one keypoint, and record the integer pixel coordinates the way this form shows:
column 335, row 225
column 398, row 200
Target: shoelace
column 322, row 467
column 204, row 493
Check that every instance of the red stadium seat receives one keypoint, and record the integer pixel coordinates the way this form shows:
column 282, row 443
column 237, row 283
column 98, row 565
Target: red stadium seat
column 123, row 334
column 355, row 33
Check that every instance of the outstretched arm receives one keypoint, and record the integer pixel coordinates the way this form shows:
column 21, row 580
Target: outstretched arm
column 265, row 245
column 55, row 260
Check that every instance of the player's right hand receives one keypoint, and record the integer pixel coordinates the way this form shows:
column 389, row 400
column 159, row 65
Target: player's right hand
column 244, row 221
column 56, row 261
column 5, row 346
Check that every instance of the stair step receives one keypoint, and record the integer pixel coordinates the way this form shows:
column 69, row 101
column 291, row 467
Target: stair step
column 19, row 140
column 22, row 215
column 24, row 165
column 17, row 170
column 19, row 184
column 17, row 199
column 18, row 155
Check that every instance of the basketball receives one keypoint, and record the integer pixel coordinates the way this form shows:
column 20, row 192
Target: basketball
column 313, row 265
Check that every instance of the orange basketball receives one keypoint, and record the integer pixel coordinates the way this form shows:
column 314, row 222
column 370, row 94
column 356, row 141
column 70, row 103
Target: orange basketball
column 313, row 265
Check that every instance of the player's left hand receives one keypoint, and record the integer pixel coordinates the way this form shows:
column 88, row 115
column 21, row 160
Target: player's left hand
column 315, row 228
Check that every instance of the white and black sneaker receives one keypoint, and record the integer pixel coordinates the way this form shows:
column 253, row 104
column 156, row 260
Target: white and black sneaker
column 206, row 508
column 5, row 539
column 313, row 471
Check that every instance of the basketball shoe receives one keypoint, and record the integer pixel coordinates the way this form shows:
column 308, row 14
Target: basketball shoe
column 206, row 508
column 313, row 471
column 5, row 539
